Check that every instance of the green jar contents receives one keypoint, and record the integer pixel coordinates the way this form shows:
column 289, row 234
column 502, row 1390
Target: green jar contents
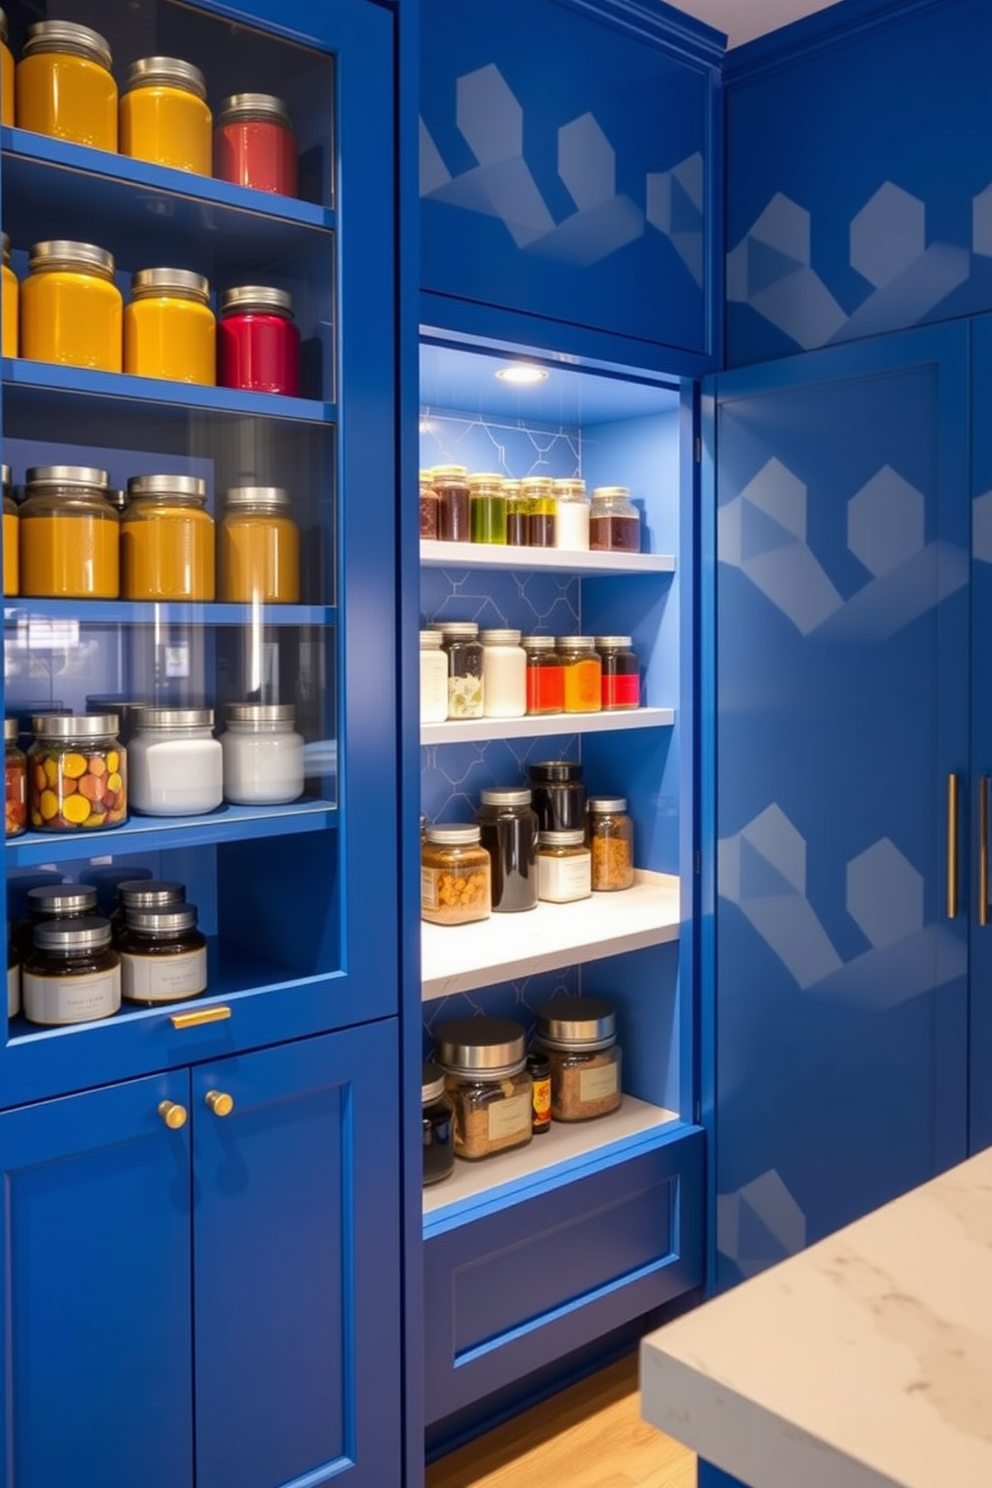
column 487, row 509
column 579, row 1037
column 486, row 1076
column 71, row 975
column 539, row 493
column 516, row 514
column 163, row 955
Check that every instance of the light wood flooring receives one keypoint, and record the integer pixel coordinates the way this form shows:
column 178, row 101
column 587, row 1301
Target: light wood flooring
column 589, row 1436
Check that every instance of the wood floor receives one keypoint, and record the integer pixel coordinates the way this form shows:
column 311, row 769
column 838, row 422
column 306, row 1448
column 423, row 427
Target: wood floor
column 589, row 1436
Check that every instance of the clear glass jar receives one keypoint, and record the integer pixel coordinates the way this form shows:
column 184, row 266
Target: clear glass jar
column 451, row 484
column 610, row 832
column 163, row 955
column 437, row 1126
column 167, row 539
column 487, row 509
column 15, row 770
column 6, row 82
column 177, row 766
column 455, row 876
column 65, row 86
column 169, row 327
column 164, row 116
column 508, row 824
column 72, row 975
column 69, row 534
column 13, row 975
column 517, row 535
column 258, row 342
column 258, row 547
column 583, row 674
column 539, row 494
column 579, row 1036
column 254, row 144
column 571, row 515
column 263, row 754
column 430, row 507
column 71, row 309
column 433, row 678
column 504, row 674
column 77, row 773
column 564, row 867
column 539, row 1069
column 143, row 893
column 10, row 305
column 545, row 680
column 486, row 1076
column 621, row 682
column 614, row 521
column 466, row 696
column 559, row 796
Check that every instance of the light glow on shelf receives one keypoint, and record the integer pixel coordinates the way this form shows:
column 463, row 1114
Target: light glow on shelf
column 522, row 374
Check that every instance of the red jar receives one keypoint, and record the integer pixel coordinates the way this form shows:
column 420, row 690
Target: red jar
column 254, row 144
column 258, row 344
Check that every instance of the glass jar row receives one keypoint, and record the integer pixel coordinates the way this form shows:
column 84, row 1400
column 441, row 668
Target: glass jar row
column 536, row 512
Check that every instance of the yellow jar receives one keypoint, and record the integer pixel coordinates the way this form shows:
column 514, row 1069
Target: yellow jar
column 164, row 115
column 11, row 565
column 65, row 87
column 9, row 307
column 6, row 76
column 167, row 539
column 258, row 548
column 169, row 327
column 71, row 309
column 69, row 534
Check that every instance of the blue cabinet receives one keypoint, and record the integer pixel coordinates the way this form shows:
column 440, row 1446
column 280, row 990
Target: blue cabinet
column 980, row 946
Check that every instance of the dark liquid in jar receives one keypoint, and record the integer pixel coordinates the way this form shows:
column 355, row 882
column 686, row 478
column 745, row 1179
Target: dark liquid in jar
column 511, row 842
column 453, row 517
column 541, row 531
column 516, row 529
column 439, row 1142
column 615, row 534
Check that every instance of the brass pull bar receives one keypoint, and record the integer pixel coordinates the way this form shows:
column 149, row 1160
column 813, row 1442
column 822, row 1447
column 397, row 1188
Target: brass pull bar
column 216, row 1014
column 983, row 851
column 952, row 846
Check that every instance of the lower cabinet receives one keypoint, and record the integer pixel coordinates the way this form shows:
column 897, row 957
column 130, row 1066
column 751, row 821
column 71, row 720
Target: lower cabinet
column 214, row 1302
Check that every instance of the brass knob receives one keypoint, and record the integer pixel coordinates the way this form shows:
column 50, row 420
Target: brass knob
column 219, row 1102
column 173, row 1114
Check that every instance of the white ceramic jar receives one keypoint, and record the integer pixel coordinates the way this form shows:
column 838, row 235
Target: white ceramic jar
column 433, row 678
column 175, row 763
column 504, row 674
column 263, row 754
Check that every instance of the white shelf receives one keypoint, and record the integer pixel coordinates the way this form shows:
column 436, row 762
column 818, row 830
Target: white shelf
column 459, row 958
column 577, row 1144
column 488, row 555
column 538, row 725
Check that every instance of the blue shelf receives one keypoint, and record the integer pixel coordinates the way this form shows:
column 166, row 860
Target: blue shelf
column 155, row 833
column 137, row 612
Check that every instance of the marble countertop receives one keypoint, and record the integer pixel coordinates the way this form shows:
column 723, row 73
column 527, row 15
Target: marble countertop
column 863, row 1362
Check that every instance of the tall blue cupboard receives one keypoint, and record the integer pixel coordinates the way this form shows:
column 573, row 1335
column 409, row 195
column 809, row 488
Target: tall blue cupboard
column 200, row 1237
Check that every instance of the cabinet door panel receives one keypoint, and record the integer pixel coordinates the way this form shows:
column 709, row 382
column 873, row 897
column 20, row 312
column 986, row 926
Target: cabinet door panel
column 841, row 538
column 296, row 1228
column 980, row 1011
column 95, row 1289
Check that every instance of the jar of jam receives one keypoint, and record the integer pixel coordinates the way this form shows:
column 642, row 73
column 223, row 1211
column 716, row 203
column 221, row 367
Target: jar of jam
column 466, row 698
column 164, row 115
column 72, row 975
column 508, row 824
column 263, row 754
column 77, row 773
column 430, row 507
column 451, row 484
column 258, row 547
column 614, row 521
column 539, row 494
column 433, row 678
column 254, row 144
column 258, row 343
column 454, row 876
column 65, row 87
column 621, row 681
column 167, row 539
column 13, row 975
column 15, row 769
column 143, row 893
column 571, row 515
column 545, row 681
column 487, row 509
column 169, row 327
column 517, row 534
column 539, row 1069
column 611, row 839
column 6, row 82
column 583, row 674
column 563, row 867
column 504, row 674
column 71, row 309
column 163, row 955
column 10, row 304
column 11, row 538
column 436, row 1125
column 485, row 1066
column 69, row 534
column 559, row 796
column 579, row 1037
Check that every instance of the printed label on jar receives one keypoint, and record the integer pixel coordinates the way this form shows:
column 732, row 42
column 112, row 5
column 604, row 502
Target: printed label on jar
column 428, row 888
column 13, row 991
column 163, row 978
column 597, row 1084
column 507, row 1117
column 71, row 999
column 562, row 879
column 621, row 692
column 542, row 1101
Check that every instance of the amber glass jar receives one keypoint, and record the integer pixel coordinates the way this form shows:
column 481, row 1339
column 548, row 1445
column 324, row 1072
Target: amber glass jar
column 455, row 876
column 11, row 539
column 614, row 521
column 579, row 1037
column 539, row 494
column 430, row 507
column 583, row 674
column 65, row 87
column 77, row 773
column 258, row 547
column 71, row 310
column 6, row 78
column 15, row 770
column 486, row 1076
column 143, row 893
column 56, row 901
column 437, row 1126
column 451, row 484
column 10, row 304
column 164, row 115
column 71, row 975
column 610, row 833
column 487, row 509
column 169, row 327
column 69, row 534
column 163, row 955
column 167, row 539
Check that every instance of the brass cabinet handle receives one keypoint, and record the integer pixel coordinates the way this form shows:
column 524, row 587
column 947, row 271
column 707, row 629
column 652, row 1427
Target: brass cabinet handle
column 983, row 851
column 219, row 1102
column 215, row 1014
column 952, row 846
column 173, row 1114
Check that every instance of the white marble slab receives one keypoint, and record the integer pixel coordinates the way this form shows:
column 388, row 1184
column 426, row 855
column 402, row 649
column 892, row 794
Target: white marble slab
column 863, row 1362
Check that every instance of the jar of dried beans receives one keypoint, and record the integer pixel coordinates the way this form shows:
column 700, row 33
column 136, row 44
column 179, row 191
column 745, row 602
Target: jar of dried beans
column 611, row 840
column 486, row 1075
column 579, row 1036
column 455, row 876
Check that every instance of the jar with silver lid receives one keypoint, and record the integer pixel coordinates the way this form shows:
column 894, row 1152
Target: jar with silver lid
column 77, row 773
column 258, row 343
column 163, row 954
column 621, row 676
column 508, row 824
column 611, row 839
column 504, row 674
column 72, row 975
column 486, row 1076
column 71, row 309
column 167, row 539
column 177, row 765
column 436, row 1126
column 164, row 116
column 433, row 678
column 169, row 327
column 454, row 876
column 579, row 1036
column 61, row 901
column 466, row 696
column 65, row 87
column 563, row 867
column 143, row 893
column 70, row 534
column 263, row 754
column 254, row 143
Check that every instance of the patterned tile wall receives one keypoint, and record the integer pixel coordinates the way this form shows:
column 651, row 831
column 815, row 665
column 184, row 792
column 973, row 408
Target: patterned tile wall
column 516, row 1000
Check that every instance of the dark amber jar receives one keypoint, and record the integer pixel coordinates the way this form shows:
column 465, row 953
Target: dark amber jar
column 72, row 975
column 436, row 1126
column 451, row 484
column 621, row 680
column 559, row 796
column 163, row 955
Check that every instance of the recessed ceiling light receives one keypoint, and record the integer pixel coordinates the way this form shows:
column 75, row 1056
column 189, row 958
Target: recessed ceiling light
column 522, row 372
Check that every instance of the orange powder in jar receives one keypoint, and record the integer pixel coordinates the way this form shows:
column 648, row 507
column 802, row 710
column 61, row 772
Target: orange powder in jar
column 258, row 548
column 69, row 535
column 167, row 539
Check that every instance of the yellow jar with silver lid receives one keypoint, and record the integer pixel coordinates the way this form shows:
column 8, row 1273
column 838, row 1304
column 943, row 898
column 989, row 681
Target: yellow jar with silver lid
column 71, row 310
column 169, row 327
column 11, row 302
column 69, row 534
column 6, row 78
column 65, row 87
column 164, row 116
column 167, row 539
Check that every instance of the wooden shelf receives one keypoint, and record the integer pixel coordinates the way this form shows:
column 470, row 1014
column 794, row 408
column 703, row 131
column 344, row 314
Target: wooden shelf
column 486, row 555
column 459, row 958
column 481, row 730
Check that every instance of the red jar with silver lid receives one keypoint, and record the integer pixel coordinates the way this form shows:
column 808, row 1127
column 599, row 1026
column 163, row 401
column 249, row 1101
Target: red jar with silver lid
column 254, row 144
column 258, row 343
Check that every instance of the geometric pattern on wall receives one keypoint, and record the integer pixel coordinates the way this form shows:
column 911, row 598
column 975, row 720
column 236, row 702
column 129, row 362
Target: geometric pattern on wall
column 516, row 1000
column 760, row 1224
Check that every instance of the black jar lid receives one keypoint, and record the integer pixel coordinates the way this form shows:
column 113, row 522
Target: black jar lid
column 539, row 1064
column 576, row 1023
column 549, row 771
column 431, row 1084
column 489, row 1047
column 55, row 900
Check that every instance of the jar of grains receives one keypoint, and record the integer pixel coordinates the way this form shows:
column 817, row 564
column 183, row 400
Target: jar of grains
column 614, row 521
column 486, row 1076
column 583, row 674
column 433, row 678
column 508, row 824
column 621, row 685
column 71, row 309
column 487, row 509
column 504, row 674
column 451, row 484
column 72, row 974
column 10, row 303
column 164, row 116
column 163, row 955
column 167, row 539
column 258, row 547
column 258, row 343
column 77, row 773
column 572, row 515
column 176, row 763
column 545, row 681
column 254, row 143
column 69, row 534
column 611, row 839
column 263, row 754
column 437, row 1126
column 539, row 493
column 6, row 81
column 563, row 867
column 516, row 513
column 559, row 797
column 579, row 1036
column 455, row 876
column 65, row 87
column 430, row 507
column 169, row 327
column 466, row 696
column 15, row 771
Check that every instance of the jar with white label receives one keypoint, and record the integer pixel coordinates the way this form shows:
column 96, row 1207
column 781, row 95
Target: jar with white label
column 176, row 764
column 579, row 1036
column 163, row 955
column 486, row 1075
column 263, row 754
column 433, row 678
column 504, row 674
column 72, row 975
column 564, row 867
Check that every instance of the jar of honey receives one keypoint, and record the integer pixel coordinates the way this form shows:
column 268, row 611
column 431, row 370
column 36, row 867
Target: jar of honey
column 169, row 327
column 6, row 79
column 11, row 538
column 69, row 534
column 10, row 305
column 65, row 86
column 254, row 144
column 258, row 344
column 258, row 548
column 71, row 310
column 164, row 115
column 167, row 539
